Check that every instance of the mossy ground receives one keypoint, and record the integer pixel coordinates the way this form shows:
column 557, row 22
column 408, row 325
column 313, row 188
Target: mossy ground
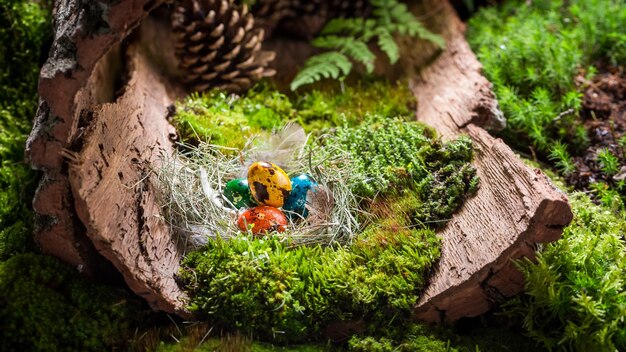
column 46, row 306
column 542, row 57
column 24, row 28
column 575, row 296
column 230, row 120
column 536, row 54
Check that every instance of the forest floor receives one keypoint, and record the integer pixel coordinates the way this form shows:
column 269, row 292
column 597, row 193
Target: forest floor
column 604, row 116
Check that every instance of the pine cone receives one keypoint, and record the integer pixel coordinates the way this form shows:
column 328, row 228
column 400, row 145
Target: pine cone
column 219, row 46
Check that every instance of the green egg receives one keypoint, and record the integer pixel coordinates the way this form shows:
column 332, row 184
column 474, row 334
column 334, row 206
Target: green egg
column 238, row 193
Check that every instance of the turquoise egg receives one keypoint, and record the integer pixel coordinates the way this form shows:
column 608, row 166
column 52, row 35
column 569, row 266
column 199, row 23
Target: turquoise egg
column 237, row 192
column 296, row 202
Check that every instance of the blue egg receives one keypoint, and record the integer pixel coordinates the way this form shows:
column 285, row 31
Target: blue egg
column 296, row 202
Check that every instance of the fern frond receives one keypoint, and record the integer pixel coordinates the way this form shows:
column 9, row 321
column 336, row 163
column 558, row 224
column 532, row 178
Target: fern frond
column 396, row 17
column 327, row 65
column 349, row 38
column 353, row 26
column 417, row 29
column 382, row 11
column 388, row 45
column 352, row 47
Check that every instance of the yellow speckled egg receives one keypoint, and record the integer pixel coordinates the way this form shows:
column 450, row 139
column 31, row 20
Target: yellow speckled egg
column 269, row 184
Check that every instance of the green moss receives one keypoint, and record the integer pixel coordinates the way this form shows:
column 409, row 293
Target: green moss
column 46, row 306
column 575, row 296
column 332, row 107
column 237, row 343
column 390, row 155
column 24, row 28
column 533, row 52
column 415, row 338
column 232, row 120
column 282, row 294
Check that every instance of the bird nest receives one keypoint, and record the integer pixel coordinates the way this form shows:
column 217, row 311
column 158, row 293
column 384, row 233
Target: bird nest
column 192, row 184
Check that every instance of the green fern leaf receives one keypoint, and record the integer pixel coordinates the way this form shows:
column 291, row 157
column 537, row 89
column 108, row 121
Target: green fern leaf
column 382, row 11
column 388, row 45
column 347, row 25
column 352, row 47
column 416, row 28
column 348, row 38
column 396, row 17
column 327, row 65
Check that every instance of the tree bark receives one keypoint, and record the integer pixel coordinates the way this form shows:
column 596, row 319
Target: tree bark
column 100, row 130
column 102, row 127
column 515, row 208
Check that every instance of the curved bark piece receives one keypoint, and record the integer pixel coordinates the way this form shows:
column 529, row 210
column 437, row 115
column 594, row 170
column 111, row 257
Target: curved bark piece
column 96, row 149
column 113, row 185
column 84, row 32
column 515, row 207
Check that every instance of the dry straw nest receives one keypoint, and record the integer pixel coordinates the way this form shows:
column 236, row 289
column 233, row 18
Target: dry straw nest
column 192, row 182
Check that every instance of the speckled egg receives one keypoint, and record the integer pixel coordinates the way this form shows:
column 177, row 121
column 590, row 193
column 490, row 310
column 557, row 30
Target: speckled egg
column 300, row 186
column 262, row 219
column 269, row 184
column 238, row 193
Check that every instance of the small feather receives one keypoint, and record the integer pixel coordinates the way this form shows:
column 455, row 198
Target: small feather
column 282, row 147
column 211, row 194
column 319, row 203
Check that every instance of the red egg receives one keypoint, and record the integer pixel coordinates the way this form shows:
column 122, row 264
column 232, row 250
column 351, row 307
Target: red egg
column 262, row 219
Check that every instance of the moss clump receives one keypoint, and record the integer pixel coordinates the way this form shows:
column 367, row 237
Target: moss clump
column 575, row 295
column 230, row 120
column 232, row 343
column 405, row 158
column 413, row 338
column 263, row 287
column 46, row 306
column 533, row 53
column 324, row 108
column 24, row 28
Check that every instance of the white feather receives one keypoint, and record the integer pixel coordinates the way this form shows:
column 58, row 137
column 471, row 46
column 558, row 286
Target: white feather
column 212, row 194
column 282, row 148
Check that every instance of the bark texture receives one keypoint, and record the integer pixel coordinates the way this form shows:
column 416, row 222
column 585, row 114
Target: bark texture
column 112, row 184
column 515, row 208
column 100, row 129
